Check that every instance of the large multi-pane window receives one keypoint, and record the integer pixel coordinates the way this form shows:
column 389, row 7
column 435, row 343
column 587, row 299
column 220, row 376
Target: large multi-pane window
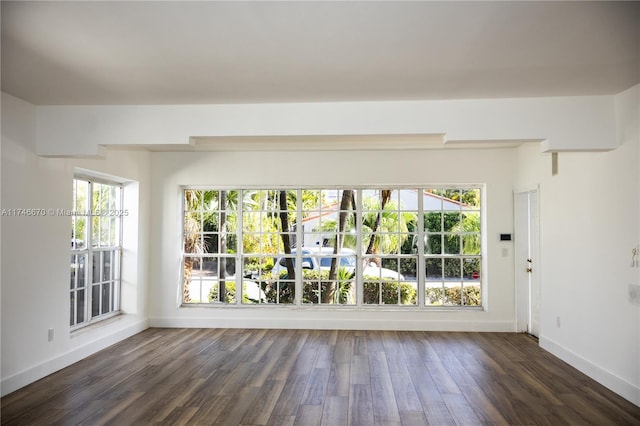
column 337, row 246
column 96, row 249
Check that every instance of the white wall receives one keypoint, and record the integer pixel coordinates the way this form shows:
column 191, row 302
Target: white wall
column 590, row 221
column 171, row 170
column 36, row 253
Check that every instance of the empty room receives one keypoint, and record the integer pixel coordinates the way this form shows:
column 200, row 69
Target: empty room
column 331, row 213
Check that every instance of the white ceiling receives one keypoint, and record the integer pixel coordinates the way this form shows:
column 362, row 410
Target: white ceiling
column 253, row 52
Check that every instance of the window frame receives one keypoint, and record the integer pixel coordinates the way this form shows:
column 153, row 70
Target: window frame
column 298, row 233
column 114, row 280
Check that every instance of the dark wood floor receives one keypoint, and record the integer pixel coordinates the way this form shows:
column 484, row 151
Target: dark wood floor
column 288, row 377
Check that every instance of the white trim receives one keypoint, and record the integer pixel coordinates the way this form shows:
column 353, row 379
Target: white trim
column 617, row 384
column 526, row 188
column 298, row 323
column 536, row 254
column 91, row 175
column 99, row 342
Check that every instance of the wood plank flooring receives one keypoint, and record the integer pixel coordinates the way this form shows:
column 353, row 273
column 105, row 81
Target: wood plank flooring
column 314, row 377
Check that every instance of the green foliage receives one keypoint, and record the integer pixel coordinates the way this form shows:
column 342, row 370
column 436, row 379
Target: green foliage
column 469, row 197
column 469, row 226
column 260, row 234
column 452, row 233
column 408, row 266
column 453, row 296
column 230, row 293
column 268, row 264
column 391, row 233
column 314, row 285
column 276, row 288
column 373, row 287
column 311, row 200
column 408, row 245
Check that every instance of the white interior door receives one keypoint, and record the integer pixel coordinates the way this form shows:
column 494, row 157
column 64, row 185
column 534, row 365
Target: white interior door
column 527, row 230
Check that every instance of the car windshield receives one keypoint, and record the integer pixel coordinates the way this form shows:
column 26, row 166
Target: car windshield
column 349, row 262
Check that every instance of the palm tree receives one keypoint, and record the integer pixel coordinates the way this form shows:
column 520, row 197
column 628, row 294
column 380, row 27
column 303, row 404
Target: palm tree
column 385, row 196
column 198, row 215
column 387, row 229
column 469, row 226
column 193, row 243
column 380, row 226
column 345, row 203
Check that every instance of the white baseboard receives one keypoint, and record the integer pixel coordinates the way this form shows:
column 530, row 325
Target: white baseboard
column 617, row 384
column 333, row 324
column 92, row 345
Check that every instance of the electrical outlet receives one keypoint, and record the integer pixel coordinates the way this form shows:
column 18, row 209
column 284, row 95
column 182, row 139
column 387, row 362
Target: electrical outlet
column 50, row 335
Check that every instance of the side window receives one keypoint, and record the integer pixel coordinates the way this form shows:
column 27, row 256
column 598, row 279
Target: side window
column 96, row 251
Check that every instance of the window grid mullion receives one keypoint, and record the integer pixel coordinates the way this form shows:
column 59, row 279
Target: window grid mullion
column 200, row 242
column 299, row 286
column 398, row 212
column 442, row 253
column 359, row 255
column 421, row 272
column 117, row 303
column 380, row 285
column 218, row 249
column 240, row 249
column 88, row 285
column 98, row 284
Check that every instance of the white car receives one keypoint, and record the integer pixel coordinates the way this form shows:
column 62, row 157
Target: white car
column 319, row 258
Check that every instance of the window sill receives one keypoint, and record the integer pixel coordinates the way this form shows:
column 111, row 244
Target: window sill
column 117, row 320
column 351, row 308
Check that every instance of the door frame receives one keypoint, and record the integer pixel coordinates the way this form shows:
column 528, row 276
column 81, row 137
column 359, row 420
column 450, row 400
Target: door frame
column 527, row 246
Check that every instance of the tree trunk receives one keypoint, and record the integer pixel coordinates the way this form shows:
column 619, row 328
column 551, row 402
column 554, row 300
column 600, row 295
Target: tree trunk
column 345, row 202
column 284, row 222
column 354, row 208
column 188, row 270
